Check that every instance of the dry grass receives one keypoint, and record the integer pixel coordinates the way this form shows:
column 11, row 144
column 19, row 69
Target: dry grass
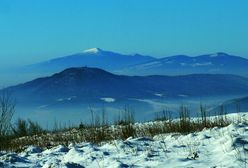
column 99, row 130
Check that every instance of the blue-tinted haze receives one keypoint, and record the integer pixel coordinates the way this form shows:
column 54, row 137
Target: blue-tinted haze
column 36, row 30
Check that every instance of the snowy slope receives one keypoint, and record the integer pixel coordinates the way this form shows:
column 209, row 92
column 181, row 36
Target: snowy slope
column 212, row 148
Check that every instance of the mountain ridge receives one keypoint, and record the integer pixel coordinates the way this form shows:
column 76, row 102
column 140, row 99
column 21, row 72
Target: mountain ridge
column 92, row 84
column 138, row 64
column 135, row 64
column 220, row 63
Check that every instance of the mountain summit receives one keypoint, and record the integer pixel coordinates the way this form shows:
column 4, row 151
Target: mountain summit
column 93, row 50
column 110, row 61
column 219, row 54
column 140, row 65
column 91, row 84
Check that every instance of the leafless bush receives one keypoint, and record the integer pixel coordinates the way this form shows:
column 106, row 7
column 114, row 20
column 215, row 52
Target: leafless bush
column 7, row 109
column 125, row 117
column 99, row 130
column 27, row 128
column 165, row 115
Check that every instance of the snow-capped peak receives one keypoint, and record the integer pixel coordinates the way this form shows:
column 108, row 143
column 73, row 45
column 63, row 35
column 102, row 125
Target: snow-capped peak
column 218, row 54
column 92, row 50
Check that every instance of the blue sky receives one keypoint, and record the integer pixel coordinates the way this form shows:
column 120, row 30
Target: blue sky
column 36, row 30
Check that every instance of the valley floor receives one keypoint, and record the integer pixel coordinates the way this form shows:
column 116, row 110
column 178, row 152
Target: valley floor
column 210, row 148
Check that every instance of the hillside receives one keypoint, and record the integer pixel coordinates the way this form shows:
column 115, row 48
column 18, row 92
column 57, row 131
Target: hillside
column 136, row 64
column 218, row 63
column 93, row 85
column 214, row 147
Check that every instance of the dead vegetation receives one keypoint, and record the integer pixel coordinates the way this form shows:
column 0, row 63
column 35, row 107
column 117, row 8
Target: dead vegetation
column 25, row 133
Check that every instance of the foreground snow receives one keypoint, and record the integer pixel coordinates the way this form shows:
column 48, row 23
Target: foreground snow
column 212, row 148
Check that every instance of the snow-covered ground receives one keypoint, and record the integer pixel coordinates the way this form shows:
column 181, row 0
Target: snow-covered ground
column 210, row 148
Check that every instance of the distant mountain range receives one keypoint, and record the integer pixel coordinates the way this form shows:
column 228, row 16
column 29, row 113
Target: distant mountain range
column 218, row 63
column 94, row 57
column 136, row 64
column 87, row 85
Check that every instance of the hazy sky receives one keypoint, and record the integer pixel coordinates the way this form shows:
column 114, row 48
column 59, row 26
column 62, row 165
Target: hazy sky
column 35, row 30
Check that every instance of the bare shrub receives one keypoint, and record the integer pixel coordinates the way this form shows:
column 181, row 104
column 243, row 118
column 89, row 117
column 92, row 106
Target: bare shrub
column 165, row 115
column 27, row 128
column 7, row 109
column 125, row 117
column 126, row 122
column 99, row 130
